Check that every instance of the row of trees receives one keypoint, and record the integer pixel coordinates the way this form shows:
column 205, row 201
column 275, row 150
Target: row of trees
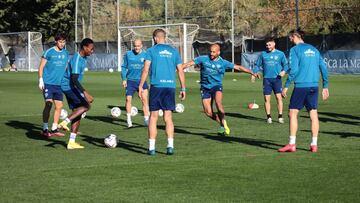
column 97, row 18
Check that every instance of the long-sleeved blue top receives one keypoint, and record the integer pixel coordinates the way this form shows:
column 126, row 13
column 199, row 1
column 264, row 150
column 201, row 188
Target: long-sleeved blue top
column 306, row 64
column 272, row 63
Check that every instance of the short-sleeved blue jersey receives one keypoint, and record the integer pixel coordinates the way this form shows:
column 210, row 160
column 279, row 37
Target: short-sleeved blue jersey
column 77, row 65
column 56, row 62
column 132, row 65
column 306, row 64
column 212, row 71
column 272, row 63
column 164, row 59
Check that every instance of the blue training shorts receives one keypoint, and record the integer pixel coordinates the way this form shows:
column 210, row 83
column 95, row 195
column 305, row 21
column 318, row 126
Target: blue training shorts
column 272, row 84
column 304, row 96
column 133, row 86
column 75, row 99
column 210, row 93
column 162, row 98
column 53, row 92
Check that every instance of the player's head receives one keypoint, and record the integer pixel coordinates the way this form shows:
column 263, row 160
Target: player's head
column 137, row 46
column 214, row 51
column 87, row 46
column 159, row 36
column 296, row 36
column 270, row 43
column 60, row 40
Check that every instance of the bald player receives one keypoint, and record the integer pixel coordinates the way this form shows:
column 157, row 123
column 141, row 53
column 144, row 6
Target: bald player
column 212, row 72
column 133, row 63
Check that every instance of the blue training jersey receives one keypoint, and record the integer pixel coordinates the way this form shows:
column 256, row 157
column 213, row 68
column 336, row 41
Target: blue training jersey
column 306, row 64
column 77, row 65
column 132, row 65
column 212, row 71
column 272, row 63
column 55, row 66
column 164, row 59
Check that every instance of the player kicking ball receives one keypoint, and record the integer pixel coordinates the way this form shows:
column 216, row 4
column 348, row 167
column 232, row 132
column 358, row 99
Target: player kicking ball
column 306, row 64
column 51, row 71
column 78, row 98
column 131, row 69
column 212, row 72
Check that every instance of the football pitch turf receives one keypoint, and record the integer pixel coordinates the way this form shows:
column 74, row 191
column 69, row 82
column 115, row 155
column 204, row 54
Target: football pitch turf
column 242, row 167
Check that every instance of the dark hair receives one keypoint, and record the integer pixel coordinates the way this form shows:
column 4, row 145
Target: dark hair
column 86, row 42
column 159, row 31
column 60, row 36
column 269, row 39
column 298, row 32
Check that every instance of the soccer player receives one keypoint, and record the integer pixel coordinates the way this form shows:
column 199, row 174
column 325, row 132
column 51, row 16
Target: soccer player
column 78, row 98
column 161, row 62
column 212, row 72
column 51, row 71
column 274, row 65
column 132, row 66
column 306, row 64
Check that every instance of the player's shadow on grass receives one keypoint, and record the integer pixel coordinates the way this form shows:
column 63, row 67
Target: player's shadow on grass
column 325, row 120
column 338, row 115
column 239, row 115
column 108, row 119
column 268, row 144
column 341, row 134
column 130, row 146
column 34, row 132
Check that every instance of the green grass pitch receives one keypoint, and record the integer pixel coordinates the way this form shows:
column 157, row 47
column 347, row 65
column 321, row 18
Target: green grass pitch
column 205, row 168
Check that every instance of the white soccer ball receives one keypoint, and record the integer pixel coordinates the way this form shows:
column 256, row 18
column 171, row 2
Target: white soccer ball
column 134, row 111
column 63, row 114
column 86, row 69
column 115, row 112
column 179, row 108
column 110, row 141
column 161, row 113
column 111, row 70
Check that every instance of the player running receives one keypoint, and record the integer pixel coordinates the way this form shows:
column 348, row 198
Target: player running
column 306, row 64
column 212, row 72
column 51, row 71
column 78, row 98
column 162, row 61
column 274, row 65
column 131, row 68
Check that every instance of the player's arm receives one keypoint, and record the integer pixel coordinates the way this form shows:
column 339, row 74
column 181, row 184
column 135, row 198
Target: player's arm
column 75, row 81
column 144, row 75
column 40, row 73
column 181, row 74
column 292, row 71
column 285, row 66
column 124, row 70
column 324, row 75
column 258, row 64
column 245, row 70
column 187, row 65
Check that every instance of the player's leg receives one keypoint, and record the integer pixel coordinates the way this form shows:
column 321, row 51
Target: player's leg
column 311, row 103
column 128, row 110
column 277, row 88
column 169, row 131
column 75, row 124
column 54, row 129
column 154, row 106
column 145, row 104
column 267, row 90
column 207, row 107
column 221, row 112
column 46, row 116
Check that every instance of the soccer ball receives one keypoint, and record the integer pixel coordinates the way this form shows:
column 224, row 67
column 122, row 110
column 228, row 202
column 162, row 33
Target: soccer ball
column 110, row 141
column 161, row 113
column 83, row 115
column 115, row 112
column 86, row 69
column 63, row 114
column 179, row 108
column 134, row 111
column 111, row 70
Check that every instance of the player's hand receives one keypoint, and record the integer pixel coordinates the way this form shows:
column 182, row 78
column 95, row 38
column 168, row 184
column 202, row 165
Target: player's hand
column 282, row 74
column 88, row 97
column 283, row 93
column 41, row 84
column 325, row 93
column 124, row 83
column 182, row 95
column 141, row 90
column 253, row 78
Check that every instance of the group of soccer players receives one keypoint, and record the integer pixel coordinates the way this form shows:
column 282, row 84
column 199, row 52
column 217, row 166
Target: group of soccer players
column 161, row 62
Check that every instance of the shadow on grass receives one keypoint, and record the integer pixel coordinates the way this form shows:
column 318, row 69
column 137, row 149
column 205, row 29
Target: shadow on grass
column 268, row 144
column 239, row 115
column 111, row 120
column 34, row 132
column 325, row 120
column 130, row 146
column 341, row 134
column 337, row 115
